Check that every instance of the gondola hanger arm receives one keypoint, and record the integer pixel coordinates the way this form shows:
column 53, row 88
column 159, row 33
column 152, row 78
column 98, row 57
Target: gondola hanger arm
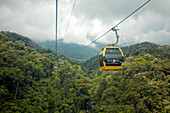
column 117, row 37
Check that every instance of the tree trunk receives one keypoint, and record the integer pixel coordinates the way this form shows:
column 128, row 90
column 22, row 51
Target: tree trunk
column 15, row 96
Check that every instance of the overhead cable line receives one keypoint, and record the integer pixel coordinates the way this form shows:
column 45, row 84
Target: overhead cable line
column 70, row 18
column 112, row 29
column 98, row 37
column 56, row 29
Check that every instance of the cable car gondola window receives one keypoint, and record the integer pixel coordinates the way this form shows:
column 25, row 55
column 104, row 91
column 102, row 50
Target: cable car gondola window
column 112, row 51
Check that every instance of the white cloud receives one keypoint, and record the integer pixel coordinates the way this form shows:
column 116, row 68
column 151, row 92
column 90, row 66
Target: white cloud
column 32, row 19
column 152, row 36
column 36, row 20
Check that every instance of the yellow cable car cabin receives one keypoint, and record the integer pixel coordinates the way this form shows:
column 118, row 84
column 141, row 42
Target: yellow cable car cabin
column 111, row 58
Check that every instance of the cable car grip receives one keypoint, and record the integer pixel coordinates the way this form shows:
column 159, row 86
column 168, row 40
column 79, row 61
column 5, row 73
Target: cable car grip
column 117, row 36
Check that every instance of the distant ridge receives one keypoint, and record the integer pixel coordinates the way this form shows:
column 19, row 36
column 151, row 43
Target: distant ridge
column 71, row 50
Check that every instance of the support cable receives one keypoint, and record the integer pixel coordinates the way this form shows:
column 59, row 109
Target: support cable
column 118, row 23
column 69, row 18
column 99, row 37
column 56, row 28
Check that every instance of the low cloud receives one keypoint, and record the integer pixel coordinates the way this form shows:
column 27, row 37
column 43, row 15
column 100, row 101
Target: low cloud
column 91, row 18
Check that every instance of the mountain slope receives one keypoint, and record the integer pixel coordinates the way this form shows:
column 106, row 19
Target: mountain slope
column 29, row 83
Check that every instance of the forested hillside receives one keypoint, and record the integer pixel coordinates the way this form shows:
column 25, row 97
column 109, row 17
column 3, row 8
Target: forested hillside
column 141, row 86
column 29, row 83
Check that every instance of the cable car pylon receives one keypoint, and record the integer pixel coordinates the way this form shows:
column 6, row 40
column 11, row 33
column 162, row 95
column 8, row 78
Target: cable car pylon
column 56, row 54
column 56, row 28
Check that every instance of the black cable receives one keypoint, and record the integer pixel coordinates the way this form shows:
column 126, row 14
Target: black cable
column 118, row 23
column 132, row 13
column 98, row 38
column 69, row 18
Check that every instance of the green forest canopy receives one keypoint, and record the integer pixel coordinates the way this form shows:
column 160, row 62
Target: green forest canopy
column 29, row 83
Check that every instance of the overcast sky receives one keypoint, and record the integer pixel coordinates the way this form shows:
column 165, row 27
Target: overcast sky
column 91, row 18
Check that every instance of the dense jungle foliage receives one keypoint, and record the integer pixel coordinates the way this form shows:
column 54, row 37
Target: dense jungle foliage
column 29, row 83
